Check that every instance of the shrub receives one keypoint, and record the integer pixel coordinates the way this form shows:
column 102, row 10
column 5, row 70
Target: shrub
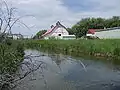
column 20, row 49
column 8, row 41
column 10, row 57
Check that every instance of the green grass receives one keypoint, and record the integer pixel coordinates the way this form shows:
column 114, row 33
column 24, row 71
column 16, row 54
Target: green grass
column 101, row 48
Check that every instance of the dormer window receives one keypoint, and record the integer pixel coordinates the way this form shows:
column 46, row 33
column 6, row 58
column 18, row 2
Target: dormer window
column 52, row 26
column 58, row 23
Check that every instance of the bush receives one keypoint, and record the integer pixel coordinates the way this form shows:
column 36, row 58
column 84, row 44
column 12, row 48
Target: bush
column 10, row 57
column 20, row 49
column 8, row 41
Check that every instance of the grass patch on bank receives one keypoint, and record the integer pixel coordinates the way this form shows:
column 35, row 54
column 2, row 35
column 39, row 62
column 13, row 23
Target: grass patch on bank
column 97, row 48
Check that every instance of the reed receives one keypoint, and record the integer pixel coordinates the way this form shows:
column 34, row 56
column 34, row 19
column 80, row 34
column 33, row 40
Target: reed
column 97, row 48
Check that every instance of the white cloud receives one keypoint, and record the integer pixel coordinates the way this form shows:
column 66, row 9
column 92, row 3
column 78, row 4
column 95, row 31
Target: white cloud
column 47, row 12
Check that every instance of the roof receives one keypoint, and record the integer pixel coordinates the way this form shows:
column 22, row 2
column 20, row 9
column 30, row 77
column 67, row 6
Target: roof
column 58, row 24
column 106, row 29
column 49, row 31
column 91, row 31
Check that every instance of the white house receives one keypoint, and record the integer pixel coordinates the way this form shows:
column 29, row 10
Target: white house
column 17, row 36
column 109, row 33
column 13, row 36
column 58, row 32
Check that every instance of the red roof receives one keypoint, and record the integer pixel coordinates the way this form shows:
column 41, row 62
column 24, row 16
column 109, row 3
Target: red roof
column 49, row 31
column 91, row 31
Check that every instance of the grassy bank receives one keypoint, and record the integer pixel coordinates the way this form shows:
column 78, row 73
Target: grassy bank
column 11, row 54
column 97, row 48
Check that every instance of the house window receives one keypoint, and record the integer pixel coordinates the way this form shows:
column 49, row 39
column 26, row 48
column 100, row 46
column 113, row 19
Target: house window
column 59, row 34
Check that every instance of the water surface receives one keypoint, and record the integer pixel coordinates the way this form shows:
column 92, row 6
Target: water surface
column 70, row 73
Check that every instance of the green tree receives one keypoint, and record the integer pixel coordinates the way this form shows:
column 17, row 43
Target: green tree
column 113, row 22
column 71, row 32
column 80, row 29
column 39, row 34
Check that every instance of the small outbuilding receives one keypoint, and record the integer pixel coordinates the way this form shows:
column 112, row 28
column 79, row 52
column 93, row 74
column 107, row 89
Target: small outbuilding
column 107, row 33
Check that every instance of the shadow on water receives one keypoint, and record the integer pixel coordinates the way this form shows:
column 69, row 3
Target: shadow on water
column 72, row 73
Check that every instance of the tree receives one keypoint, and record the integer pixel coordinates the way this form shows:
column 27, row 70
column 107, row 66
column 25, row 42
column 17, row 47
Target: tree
column 39, row 34
column 71, row 32
column 8, row 20
column 11, row 57
column 80, row 29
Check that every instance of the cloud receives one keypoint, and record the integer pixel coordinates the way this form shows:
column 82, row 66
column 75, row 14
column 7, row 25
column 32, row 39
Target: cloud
column 69, row 12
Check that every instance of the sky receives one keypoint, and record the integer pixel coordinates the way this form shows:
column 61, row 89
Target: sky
column 68, row 12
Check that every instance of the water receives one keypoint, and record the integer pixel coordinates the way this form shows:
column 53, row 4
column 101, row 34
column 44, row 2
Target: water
column 68, row 73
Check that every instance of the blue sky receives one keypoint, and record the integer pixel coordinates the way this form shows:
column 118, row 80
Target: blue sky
column 68, row 12
column 80, row 5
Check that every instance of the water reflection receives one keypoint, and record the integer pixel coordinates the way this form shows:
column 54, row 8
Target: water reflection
column 67, row 73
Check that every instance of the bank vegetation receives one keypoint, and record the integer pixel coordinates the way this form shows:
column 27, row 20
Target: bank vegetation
column 97, row 48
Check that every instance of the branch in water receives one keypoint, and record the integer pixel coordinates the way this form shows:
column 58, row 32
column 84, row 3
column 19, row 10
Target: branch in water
column 12, row 80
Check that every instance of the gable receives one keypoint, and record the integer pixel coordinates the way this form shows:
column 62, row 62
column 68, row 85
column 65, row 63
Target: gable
column 58, row 29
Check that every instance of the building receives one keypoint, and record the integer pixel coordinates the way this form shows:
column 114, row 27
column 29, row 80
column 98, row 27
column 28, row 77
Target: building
column 17, row 36
column 107, row 33
column 58, row 32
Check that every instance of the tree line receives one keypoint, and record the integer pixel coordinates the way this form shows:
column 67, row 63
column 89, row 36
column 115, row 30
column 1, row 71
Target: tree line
column 80, row 28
